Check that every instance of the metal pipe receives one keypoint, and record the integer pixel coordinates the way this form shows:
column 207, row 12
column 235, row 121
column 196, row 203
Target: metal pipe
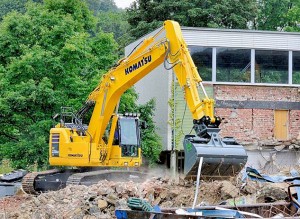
column 198, row 182
column 174, row 114
column 203, row 89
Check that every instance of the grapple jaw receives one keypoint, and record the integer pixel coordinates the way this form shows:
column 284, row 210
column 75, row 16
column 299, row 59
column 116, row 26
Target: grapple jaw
column 221, row 157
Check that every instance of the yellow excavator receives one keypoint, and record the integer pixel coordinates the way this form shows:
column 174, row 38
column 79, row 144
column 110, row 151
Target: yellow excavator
column 113, row 140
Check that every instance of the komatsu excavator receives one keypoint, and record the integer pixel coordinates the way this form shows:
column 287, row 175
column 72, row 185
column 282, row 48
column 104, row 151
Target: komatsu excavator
column 113, row 140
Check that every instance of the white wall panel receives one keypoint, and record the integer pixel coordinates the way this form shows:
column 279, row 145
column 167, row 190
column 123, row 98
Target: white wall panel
column 242, row 39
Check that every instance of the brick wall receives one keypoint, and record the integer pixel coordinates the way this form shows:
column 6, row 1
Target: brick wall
column 294, row 123
column 242, row 93
column 249, row 125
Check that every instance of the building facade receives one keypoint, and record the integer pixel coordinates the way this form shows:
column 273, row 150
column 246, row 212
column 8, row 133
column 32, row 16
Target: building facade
column 254, row 77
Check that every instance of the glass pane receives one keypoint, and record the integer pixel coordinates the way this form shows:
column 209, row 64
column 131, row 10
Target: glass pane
column 128, row 132
column 296, row 67
column 271, row 66
column 202, row 57
column 233, row 65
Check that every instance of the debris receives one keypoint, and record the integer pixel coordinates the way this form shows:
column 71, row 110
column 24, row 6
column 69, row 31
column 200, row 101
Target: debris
column 272, row 192
column 228, row 190
column 102, row 204
column 104, row 198
column 280, row 147
column 242, row 200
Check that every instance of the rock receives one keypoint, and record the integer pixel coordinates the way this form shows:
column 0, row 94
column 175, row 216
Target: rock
column 296, row 146
column 120, row 189
column 167, row 204
column 36, row 201
column 94, row 210
column 105, row 191
column 250, row 187
column 163, row 195
column 272, row 192
column 65, row 201
column 112, row 199
column 291, row 147
column 157, row 201
column 121, row 204
column 102, row 204
column 279, row 148
column 228, row 190
column 104, row 216
column 89, row 217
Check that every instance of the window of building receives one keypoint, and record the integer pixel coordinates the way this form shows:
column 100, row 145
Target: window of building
column 202, row 57
column 296, row 67
column 233, row 65
column 271, row 66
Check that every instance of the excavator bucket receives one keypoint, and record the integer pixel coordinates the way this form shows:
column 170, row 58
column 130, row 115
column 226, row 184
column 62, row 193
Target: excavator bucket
column 222, row 158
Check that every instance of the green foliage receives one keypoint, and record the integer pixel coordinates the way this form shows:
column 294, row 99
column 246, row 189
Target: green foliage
column 177, row 123
column 272, row 14
column 50, row 58
column 111, row 19
column 5, row 166
column 116, row 23
column 278, row 15
column 151, row 141
column 144, row 16
column 296, row 77
column 273, row 76
column 7, row 6
column 102, row 6
column 293, row 17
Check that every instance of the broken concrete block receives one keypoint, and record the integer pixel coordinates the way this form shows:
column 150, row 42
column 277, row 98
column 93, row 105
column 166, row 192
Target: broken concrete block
column 228, row 190
column 279, row 148
column 102, row 204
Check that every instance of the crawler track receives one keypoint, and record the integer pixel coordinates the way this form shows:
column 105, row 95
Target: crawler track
column 28, row 182
column 36, row 182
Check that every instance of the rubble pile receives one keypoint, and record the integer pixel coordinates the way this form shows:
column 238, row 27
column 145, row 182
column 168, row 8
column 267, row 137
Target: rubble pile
column 272, row 142
column 101, row 200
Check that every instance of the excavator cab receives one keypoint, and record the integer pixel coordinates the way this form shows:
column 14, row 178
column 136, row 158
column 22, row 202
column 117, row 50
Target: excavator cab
column 128, row 135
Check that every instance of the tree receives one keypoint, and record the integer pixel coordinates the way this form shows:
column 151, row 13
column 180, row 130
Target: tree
column 293, row 17
column 7, row 6
column 102, row 6
column 272, row 14
column 50, row 58
column 151, row 144
column 144, row 16
column 111, row 19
